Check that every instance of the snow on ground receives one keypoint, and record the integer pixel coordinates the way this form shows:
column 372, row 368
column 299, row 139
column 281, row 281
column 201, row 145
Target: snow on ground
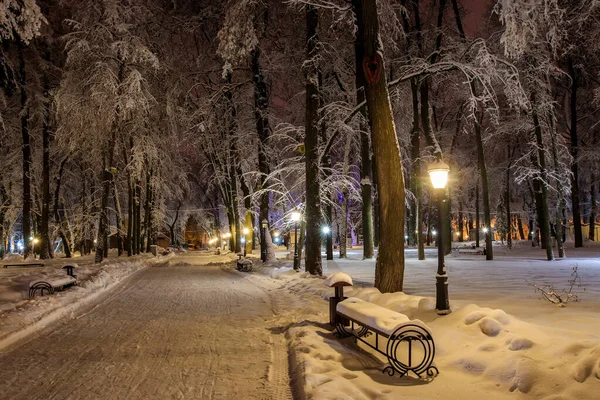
column 178, row 330
column 21, row 316
column 500, row 342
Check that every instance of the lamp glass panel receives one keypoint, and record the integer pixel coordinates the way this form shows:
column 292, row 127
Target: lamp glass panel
column 439, row 178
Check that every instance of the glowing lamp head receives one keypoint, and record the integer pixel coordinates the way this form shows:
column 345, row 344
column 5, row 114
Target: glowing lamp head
column 246, row 231
column 35, row 241
column 276, row 234
column 434, row 233
column 326, row 230
column 243, row 240
column 438, row 172
column 228, row 235
column 295, row 216
column 485, row 230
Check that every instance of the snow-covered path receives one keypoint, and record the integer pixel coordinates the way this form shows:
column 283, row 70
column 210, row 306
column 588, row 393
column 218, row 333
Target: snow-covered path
column 188, row 330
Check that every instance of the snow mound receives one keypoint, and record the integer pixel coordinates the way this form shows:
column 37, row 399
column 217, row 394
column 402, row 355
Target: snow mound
column 13, row 257
column 338, row 277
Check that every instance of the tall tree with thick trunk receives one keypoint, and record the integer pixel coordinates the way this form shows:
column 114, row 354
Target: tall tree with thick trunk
column 24, row 116
column 261, row 108
column 541, row 185
column 365, row 155
column 389, row 269
column 45, row 250
column 311, row 141
column 575, row 154
column 489, row 254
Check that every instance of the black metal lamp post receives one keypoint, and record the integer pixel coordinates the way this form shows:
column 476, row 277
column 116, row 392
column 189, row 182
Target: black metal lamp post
column 438, row 172
column 263, row 242
column 296, row 218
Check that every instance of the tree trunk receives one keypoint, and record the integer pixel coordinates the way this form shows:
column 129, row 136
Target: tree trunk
column 231, row 126
column 45, row 247
column 376, row 207
column 365, row 152
column 416, row 225
column 461, row 223
column 24, row 117
column 130, row 217
column 148, row 209
column 138, row 217
column 301, row 241
column 520, row 227
column 119, row 218
column 592, row 234
column 542, row 179
column 264, row 132
column 489, row 255
column 389, row 268
column 447, row 223
column 57, row 218
column 313, row 263
column 560, row 195
column 575, row 154
column 328, row 214
column 103, row 225
column 507, row 198
column 477, row 222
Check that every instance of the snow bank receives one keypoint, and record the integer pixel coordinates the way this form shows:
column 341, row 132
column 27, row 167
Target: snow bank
column 21, row 318
column 480, row 352
column 13, row 257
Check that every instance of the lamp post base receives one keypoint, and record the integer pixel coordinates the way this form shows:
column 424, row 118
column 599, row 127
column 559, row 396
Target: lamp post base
column 442, row 304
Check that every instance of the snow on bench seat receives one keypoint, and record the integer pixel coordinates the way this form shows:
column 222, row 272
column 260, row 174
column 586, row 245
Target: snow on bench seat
column 56, row 282
column 379, row 318
column 50, row 285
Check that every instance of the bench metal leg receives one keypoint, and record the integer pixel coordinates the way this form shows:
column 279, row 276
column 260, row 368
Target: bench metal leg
column 411, row 334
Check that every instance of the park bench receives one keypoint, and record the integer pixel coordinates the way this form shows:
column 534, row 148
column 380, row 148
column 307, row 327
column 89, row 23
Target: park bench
column 52, row 285
column 39, row 264
column 243, row 264
column 407, row 345
column 469, row 250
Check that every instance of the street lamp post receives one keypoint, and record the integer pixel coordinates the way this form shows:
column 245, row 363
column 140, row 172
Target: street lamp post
column 263, row 242
column 34, row 241
column 245, row 231
column 438, row 172
column 328, row 249
column 295, row 218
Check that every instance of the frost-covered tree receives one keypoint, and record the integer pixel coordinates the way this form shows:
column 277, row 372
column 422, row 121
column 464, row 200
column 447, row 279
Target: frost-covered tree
column 104, row 100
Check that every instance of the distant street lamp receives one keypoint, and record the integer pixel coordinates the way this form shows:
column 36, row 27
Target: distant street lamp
column 295, row 216
column 438, row 172
column 263, row 242
column 245, row 231
column 34, row 241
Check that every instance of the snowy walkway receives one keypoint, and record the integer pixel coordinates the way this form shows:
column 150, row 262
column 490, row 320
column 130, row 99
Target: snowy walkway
column 190, row 330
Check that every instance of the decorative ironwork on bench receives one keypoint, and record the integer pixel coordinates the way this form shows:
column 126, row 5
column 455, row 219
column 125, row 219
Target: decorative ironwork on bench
column 408, row 347
column 411, row 334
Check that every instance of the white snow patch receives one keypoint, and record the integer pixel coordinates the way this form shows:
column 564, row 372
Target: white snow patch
column 338, row 277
